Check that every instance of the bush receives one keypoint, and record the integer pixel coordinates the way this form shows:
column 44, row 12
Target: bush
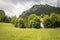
column 21, row 23
column 47, row 22
column 34, row 21
column 54, row 20
column 16, row 23
column 13, row 19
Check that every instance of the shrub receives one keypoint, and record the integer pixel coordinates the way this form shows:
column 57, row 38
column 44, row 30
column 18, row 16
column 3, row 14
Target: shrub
column 21, row 23
column 47, row 22
column 34, row 21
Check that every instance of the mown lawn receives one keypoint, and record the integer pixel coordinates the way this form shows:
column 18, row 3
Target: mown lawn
column 9, row 32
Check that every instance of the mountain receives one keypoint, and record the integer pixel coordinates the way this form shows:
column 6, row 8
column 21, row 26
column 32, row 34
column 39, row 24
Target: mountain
column 41, row 9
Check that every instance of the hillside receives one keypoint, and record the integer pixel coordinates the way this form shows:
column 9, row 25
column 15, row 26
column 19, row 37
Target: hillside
column 41, row 9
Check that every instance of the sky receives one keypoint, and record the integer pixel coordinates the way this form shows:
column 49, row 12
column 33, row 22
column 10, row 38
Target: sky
column 16, row 7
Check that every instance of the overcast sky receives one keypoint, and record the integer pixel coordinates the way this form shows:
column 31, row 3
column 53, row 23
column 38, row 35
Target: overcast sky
column 16, row 7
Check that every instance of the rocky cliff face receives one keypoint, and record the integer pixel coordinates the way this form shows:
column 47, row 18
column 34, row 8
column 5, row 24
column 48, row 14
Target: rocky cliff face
column 41, row 9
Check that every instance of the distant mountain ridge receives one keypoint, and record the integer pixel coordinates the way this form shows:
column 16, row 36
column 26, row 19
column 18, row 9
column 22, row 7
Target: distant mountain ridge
column 41, row 9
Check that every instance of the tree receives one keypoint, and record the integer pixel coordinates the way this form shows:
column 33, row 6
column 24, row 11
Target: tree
column 33, row 21
column 16, row 22
column 21, row 23
column 13, row 19
column 53, row 18
column 58, row 19
column 2, row 15
column 7, row 19
column 47, row 22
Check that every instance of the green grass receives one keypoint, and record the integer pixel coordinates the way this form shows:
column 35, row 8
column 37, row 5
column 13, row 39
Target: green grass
column 9, row 32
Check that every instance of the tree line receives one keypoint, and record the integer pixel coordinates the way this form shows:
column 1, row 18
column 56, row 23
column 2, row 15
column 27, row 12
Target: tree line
column 3, row 17
column 32, row 21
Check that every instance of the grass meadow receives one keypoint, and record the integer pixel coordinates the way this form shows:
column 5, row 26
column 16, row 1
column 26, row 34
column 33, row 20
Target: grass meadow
column 9, row 32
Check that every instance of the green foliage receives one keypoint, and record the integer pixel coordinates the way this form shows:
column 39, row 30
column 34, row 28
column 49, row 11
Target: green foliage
column 58, row 17
column 33, row 21
column 47, row 22
column 13, row 19
column 7, row 19
column 2, row 15
column 53, row 17
column 21, row 23
column 55, row 20
column 16, row 22
column 52, row 21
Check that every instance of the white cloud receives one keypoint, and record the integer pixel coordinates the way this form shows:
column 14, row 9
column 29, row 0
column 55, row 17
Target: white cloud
column 52, row 2
column 16, row 7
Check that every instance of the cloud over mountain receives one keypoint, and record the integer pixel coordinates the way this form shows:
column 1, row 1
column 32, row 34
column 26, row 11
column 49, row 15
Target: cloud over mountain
column 16, row 7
